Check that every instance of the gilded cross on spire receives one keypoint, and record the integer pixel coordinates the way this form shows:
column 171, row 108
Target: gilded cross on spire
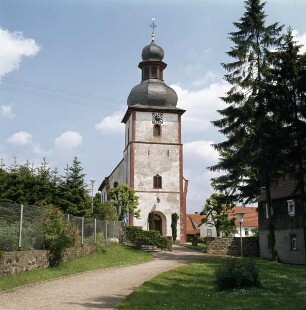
column 153, row 26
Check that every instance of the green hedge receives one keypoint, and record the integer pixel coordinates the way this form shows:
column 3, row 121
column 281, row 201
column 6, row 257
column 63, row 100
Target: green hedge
column 237, row 273
column 151, row 237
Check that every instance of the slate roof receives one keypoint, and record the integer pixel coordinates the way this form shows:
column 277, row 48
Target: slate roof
column 283, row 188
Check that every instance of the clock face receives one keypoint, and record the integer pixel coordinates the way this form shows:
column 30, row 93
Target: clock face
column 157, row 118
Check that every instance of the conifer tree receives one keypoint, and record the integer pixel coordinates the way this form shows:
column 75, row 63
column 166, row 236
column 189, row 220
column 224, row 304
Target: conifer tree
column 76, row 191
column 250, row 154
column 288, row 80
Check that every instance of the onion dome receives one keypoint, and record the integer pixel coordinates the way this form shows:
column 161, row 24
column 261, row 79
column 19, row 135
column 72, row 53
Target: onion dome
column 152, row 52
column 152, row 91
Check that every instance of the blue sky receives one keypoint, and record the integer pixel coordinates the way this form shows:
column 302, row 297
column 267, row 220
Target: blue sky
column 67, row 67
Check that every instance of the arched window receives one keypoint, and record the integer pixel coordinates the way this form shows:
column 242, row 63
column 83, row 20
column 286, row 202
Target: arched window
column 156, row 130
column 115, row 184
column 157, row 181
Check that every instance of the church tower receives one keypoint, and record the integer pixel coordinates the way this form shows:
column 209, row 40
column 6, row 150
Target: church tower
column 153, row 154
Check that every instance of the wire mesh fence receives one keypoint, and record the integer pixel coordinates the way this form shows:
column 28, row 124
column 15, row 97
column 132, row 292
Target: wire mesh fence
column 21, row 228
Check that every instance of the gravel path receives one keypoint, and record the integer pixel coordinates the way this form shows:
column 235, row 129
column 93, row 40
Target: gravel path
column 102, row 289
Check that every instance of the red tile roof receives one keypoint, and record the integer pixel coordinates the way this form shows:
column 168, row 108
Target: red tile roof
column 250, row 218
column 192, row 223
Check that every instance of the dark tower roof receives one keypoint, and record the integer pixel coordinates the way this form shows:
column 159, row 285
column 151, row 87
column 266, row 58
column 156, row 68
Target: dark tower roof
column 152, row 52
column 152, row 91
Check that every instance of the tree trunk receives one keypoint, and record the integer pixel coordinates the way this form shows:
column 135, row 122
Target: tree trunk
column 218, row 230
column 271, row 217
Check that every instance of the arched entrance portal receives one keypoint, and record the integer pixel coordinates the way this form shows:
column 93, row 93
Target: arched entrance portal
column 160, row 223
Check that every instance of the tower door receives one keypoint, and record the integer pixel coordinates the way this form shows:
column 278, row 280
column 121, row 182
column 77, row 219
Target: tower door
column 158, row 223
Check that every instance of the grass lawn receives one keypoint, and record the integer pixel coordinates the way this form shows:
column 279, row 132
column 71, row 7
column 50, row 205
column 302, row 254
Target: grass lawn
column 114, row 255
column 192, row 287
column 199, row 247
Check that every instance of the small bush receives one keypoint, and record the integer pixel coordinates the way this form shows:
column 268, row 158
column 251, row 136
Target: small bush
column 151, row 237
column 237, row 273
column 59, row 234
column 134, row 233
column 202, row 240
column 195, row 240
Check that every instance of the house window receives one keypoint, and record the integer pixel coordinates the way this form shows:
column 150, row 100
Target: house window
column 115, row 184
column 156, row 130
column 293, row 242
column 246, row 232
column 291, row 207
column 168, row 153
column 209, row 233
column 148, row 152
column 157, row 181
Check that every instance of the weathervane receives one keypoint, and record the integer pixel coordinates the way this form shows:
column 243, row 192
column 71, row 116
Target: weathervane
column 153, row 26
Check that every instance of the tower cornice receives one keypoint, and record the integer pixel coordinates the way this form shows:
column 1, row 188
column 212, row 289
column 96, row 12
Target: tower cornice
column 145, row 108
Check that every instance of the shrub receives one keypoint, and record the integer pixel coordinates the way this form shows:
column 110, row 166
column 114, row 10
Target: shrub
column 8, row 236
column 237, row 273
column 174, row 219
column 151, row 221
column 195, row 240
column 151, row 237
column 59, row 234
column 134, row 233
column 202, row 240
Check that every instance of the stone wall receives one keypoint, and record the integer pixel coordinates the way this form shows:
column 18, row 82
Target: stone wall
column 15, row 262
column 231, row 246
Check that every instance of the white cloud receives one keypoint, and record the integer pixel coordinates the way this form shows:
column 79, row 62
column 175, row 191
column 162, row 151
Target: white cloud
column 39, row 150
column 67, row 141
column 201, row 105
column 301, row 38
column 20, row 138
column 198, row 155
column 199, row 189
column 201, row 149
column 209, row 77
column 7, row 111
column 13, row 47
column 112, row 123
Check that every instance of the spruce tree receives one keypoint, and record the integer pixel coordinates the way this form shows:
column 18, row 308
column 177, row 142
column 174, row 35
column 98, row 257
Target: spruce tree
column 76, row 191
column 249, row 155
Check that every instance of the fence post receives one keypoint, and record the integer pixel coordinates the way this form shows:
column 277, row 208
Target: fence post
column 82, row 231
column 106, row 230
column 95, row 231
column 20, row 227
column 68, row 217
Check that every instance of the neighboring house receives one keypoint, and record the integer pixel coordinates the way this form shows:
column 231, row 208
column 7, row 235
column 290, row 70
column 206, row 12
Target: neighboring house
column 288, row 221
column 152, row 163
column 193, row 221
column 250, row 222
